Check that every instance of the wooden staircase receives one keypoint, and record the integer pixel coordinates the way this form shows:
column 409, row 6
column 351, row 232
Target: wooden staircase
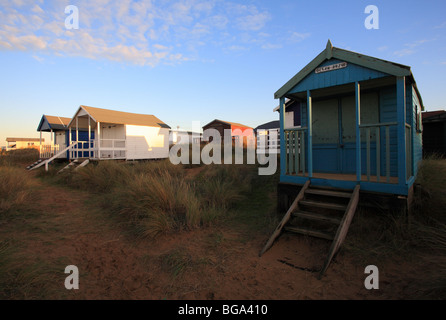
column 31, row 166
column 75, row 164
column 322, row 213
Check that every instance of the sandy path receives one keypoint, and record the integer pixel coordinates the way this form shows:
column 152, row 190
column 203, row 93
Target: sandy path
column 214, row 262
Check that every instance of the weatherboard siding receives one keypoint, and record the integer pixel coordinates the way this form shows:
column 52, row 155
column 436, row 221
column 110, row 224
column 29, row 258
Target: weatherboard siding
column 349, row 74
column 416, row 136
column 146, row 142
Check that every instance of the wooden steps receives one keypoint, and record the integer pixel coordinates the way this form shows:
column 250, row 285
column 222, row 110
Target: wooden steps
column 325, row 205
column 310, row 232
column 332, row 193
column 322, row 213
column 35, row 164
column 316, row 216
column 75, row 164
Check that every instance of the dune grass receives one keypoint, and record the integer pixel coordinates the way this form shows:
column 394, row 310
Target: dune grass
column 19, row 157
column 16, row 191
column 417, row 237
column 157, row 197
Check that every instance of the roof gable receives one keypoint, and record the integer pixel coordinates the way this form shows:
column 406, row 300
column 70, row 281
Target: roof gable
column 330, row 52
column 269, row 125
column 232, row 124
column 54, row 123
column 119, row 117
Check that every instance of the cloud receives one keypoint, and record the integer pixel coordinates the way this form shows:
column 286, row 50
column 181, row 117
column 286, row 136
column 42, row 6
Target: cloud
column 441, row 26
column 130, row 31
column 411, row 48
column 404, row 52
column 297, row 36
column 271, row 46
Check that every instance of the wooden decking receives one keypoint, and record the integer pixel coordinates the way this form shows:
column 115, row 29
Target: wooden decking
column 349, row 177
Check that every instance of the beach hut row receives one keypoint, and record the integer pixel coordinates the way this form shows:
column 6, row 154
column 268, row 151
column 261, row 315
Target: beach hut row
column 345, row 119
column 350, row 127
column 103, row 134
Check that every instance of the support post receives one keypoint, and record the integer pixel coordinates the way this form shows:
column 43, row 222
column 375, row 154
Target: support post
column 283, row 154
column 401, row 128
column 310, row 133
column 89, row 136
column 358, row 130
column 98, row 138
column 70, row 151
column 77, row 137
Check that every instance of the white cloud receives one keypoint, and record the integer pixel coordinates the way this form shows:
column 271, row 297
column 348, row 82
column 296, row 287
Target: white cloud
column 441, row 26
column 411, row 48
column 139, row 32
column 271, row 46
column 297, row 36
column 404, row 52
column 37, row 9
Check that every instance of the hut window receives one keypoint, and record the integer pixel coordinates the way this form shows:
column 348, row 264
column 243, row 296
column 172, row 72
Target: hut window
column 418, row 118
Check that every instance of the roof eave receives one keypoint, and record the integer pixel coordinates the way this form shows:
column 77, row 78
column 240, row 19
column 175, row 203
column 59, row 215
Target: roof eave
column 348, row 56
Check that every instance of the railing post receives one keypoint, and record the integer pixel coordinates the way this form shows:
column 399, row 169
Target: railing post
column 283, row 142
column 290, row 152
column 378, row 153
column 310, row 133
column 358, row 131
column 401, row 128
column 367, row 132
column 387, row 154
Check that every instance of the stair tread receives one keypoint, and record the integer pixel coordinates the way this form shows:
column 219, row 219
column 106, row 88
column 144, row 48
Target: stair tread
column 316, row 216
column 310, row 232
column 332, row 193
column 327, row 205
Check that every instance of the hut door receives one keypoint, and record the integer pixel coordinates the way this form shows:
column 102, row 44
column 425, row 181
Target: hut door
column 334, row 132
column 326, row 136
column 369, row 115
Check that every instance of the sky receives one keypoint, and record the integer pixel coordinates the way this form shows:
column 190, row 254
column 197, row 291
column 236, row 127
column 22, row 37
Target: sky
column 196, row 60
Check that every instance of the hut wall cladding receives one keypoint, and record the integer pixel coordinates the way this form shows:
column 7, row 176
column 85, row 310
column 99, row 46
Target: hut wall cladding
column 416, row 135
column 220, row 127
column 350, row 74
column 387, row 113
column 146, row 142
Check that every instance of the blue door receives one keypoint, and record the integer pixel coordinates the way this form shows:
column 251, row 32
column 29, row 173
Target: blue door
column 83, row 136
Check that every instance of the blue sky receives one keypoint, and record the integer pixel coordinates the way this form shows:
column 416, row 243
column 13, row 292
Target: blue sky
column 196, row 60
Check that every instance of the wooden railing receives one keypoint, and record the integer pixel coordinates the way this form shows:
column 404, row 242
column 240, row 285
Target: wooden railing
column 408, row 132
column 46, row 162
column 369, row 129
column 82, row 150
column 268, row 142
column 112, row 149
column 107, row 149
column 47, row 150
column 295, row 150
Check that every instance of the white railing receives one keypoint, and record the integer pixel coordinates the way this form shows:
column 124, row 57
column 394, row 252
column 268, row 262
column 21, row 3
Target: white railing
column 107, row 149
column 46, row 162
column 112, row 149
column 268, row 143
column 47, row 150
